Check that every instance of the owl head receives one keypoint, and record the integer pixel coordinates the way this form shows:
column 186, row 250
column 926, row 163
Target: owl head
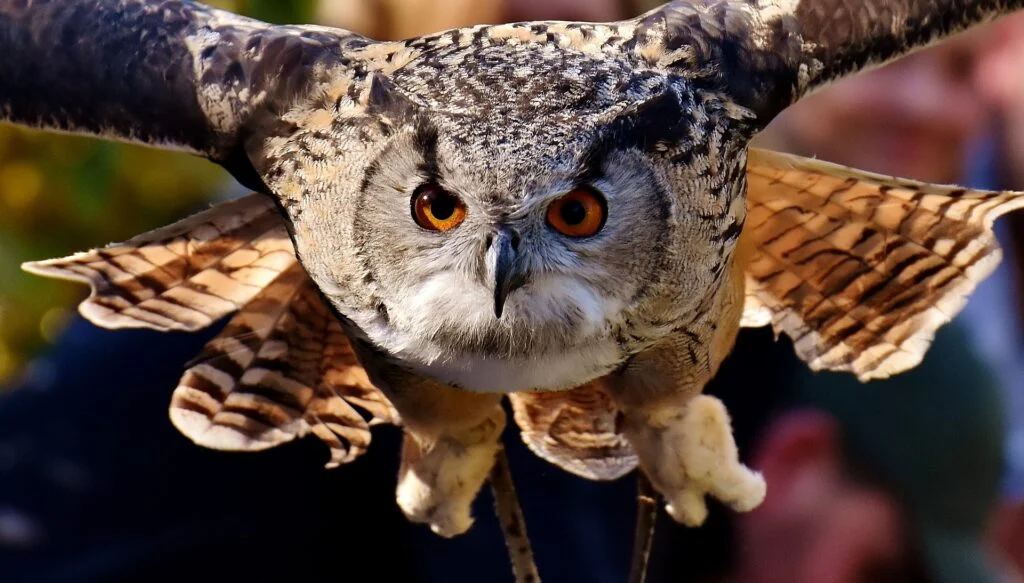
column 518, row 211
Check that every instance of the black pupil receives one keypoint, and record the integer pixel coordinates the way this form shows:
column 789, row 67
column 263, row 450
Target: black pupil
column 442, row 205
column 573, row 212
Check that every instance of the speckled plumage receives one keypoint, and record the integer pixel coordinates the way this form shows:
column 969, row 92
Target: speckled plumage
column 629, row 324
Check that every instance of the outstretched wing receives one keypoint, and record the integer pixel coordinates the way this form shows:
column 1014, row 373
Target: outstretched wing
column 575, row 430
column 282, row 368
column 766, row 54
column 167, row 73
column 860, row 270
column 184, row 276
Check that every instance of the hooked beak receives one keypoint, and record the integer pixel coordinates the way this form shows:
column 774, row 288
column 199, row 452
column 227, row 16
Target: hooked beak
column 508, row 275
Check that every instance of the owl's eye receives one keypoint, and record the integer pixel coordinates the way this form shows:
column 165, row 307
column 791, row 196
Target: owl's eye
column 581, row 213
column 436, row 209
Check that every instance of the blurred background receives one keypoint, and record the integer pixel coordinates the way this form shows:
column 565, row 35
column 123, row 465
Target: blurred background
column 867, row 484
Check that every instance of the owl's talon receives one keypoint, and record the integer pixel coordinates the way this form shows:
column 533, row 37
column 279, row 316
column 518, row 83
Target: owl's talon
column 447, row 514
column 451, row 521
column 688, row 508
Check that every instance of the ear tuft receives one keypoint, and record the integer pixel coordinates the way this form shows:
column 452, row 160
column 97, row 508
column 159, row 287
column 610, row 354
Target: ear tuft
column 766, row 54
column 382, row 97
column 649, row 123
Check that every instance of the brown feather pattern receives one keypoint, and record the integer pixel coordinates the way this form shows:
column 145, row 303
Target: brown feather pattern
column 861, row 269
column 282, row 368
column 184, row 276
column 576, row 430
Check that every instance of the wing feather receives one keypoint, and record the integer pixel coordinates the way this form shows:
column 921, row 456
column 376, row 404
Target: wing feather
column 767, row 54
column 185, row 276
column 282, row 368
column 862, row 269
column 165, row 73
column 575, row 430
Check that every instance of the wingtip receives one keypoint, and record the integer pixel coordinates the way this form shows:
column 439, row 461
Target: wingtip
column 31, row 267
column 45, row 268
column 204, row 432
column 595, row 469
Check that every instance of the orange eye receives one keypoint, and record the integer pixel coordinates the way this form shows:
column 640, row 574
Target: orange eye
column 581, row 213
column 436, row 209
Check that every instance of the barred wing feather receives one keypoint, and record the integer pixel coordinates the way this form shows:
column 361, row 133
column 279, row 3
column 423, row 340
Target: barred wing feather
column 859, row 269
column 185, row 276
column 282, row 368
column 575, row 430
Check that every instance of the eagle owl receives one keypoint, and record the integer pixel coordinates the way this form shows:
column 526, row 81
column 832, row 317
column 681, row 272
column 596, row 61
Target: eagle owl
column 564, row 213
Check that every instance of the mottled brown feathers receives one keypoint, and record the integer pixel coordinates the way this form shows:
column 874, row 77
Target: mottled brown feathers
column 577, row 430
column 861, row 269
column 205, row 80
column 167, row 73
column 185, row 276
column 280, row 369
column 769, row 53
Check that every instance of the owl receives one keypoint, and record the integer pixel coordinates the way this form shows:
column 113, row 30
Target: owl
column 565, row 214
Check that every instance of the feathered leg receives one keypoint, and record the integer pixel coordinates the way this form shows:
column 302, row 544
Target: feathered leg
column 451, row 439
column 683, row 439
column 688, row 452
